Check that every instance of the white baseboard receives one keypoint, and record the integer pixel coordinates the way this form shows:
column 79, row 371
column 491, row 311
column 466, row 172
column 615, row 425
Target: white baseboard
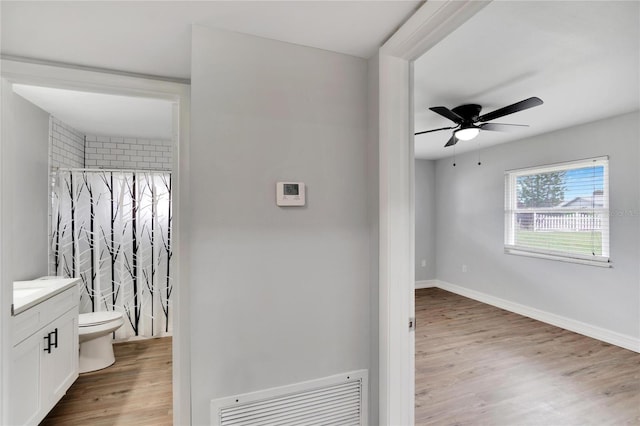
column 426, row 284
column 612, row 337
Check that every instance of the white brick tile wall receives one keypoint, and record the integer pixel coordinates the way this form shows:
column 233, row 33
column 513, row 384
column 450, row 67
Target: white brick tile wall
column 67, row 145
column 71, row 148
column 127, row 153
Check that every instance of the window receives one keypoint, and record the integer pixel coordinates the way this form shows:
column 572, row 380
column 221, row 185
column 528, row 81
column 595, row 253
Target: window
column 559, row 211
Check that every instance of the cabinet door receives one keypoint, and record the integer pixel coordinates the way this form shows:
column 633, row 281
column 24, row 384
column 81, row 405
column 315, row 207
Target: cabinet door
column 60, row 366
column 24, row 378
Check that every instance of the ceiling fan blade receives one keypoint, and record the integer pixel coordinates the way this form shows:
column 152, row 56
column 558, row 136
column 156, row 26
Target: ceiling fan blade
column 447, row 113
column 500, row 127
column 435, row 130
column 452, row 141
column 510, row 109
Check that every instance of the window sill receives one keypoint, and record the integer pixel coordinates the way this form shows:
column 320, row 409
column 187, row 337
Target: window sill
column 549, row 256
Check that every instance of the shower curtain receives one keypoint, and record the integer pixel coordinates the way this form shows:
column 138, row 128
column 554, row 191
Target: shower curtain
column 112, row 229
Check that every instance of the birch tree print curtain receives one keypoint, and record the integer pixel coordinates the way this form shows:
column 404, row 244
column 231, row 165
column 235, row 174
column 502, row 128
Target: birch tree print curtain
column 112, row 229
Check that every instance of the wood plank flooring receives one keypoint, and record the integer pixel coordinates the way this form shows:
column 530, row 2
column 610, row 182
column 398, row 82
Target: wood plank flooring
column 136, row 390
column 480, row 365
column 475, row 365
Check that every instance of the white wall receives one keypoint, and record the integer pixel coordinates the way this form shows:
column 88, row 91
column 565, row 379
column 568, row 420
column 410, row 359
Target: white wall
column 278, row 295
column 31, row 164
column 71, row 148
column 373, row 179
column 67, row 145
column 117, row 152
column 470, row 222
column 425, row 188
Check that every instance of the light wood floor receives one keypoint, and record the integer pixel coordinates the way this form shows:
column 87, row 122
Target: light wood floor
column 136, row 390
column 475, row 365
column 480, row 365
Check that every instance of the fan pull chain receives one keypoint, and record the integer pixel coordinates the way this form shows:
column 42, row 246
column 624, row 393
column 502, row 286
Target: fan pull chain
column 454, row 156
column 478, row 149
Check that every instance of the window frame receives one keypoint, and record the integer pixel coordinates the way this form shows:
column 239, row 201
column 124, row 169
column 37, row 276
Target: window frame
column 511, row 210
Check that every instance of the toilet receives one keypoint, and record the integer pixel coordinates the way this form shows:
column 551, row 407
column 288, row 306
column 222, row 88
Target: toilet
column 95, row 328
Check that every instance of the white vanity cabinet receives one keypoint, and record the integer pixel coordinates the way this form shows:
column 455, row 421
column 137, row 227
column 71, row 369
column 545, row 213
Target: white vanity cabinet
column 44, row 361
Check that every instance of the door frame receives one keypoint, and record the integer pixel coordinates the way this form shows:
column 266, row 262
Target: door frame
column 82, row 79
column 423, row 30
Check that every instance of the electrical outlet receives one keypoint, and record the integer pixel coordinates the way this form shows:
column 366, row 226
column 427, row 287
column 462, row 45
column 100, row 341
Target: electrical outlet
column 423, row 263
column 464, row 268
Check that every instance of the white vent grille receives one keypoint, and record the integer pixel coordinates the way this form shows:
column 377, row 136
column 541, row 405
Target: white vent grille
column 336, row 400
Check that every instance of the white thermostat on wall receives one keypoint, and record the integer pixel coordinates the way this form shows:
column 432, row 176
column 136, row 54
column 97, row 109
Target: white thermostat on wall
column 290, row 194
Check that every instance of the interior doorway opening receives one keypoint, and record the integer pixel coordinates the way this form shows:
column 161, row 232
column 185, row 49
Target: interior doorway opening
column 175, row 97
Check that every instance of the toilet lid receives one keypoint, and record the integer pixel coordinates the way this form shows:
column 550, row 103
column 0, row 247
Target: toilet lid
column 96, row 318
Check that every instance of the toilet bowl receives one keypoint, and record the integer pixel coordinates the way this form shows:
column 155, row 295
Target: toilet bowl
column 95, row 328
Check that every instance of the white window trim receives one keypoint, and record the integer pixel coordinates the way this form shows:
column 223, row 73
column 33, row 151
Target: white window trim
column 543, row 254
column 509, row 228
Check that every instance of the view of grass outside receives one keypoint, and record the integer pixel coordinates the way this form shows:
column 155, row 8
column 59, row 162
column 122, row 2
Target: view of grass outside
column 560, row 208
column 586, row 243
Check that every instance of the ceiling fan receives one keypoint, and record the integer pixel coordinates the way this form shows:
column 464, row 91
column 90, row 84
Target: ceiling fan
column 469, row 122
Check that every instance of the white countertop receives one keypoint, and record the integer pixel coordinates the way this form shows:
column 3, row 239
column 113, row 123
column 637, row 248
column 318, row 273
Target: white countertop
column 29, row 293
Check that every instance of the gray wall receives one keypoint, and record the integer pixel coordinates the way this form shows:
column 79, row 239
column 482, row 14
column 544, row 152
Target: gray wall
column 470, row 227
column 278, row 295
column 425, row 188
column 31, row 165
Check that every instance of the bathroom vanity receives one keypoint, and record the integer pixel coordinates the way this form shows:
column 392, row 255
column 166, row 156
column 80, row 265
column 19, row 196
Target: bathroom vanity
column 44, row 358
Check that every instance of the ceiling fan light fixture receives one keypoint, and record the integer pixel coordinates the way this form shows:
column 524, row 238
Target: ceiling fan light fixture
column 467, row 133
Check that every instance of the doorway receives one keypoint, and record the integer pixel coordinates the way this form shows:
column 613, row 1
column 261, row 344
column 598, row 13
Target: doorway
column 429, row 25
column 177, row 96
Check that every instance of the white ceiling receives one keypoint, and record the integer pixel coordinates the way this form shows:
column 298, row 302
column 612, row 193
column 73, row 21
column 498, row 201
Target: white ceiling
column 154, row 37
column 581, row 58
column 101, row 114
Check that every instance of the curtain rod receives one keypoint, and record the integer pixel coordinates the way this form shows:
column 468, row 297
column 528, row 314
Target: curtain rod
column 79, row 169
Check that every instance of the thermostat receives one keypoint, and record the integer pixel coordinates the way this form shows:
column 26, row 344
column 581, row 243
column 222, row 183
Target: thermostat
column 290, row 194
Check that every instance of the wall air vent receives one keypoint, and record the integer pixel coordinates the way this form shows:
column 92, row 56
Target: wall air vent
column 335, row 400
